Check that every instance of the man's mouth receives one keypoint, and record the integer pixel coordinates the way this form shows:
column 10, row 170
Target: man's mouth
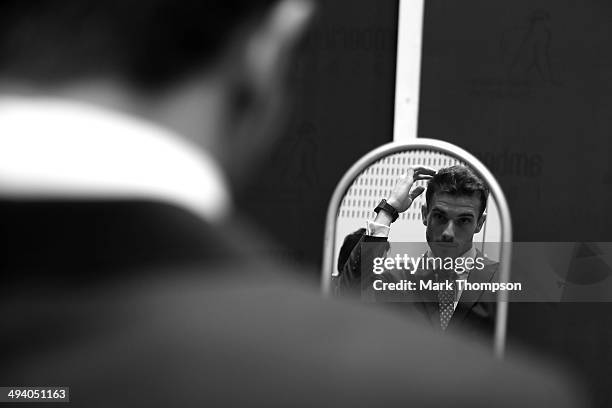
column 446, row 244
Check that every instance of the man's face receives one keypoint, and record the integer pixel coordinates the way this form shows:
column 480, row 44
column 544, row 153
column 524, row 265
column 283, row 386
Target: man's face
column 451, row 223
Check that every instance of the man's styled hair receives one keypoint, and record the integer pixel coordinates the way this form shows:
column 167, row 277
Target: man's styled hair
column 458, row 181
column 146, row 43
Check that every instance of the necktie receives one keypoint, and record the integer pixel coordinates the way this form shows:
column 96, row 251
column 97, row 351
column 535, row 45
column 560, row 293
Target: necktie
column 446, row 300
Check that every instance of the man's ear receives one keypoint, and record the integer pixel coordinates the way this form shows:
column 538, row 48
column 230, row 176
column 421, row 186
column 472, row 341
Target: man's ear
column 480, row 223
column 269, row 51
column 424, row 214
column 257, row 73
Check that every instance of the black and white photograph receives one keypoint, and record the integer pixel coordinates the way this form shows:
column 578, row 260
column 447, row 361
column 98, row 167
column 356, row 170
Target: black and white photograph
column 306, row 203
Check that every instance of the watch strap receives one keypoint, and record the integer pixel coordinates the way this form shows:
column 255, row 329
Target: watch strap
column 388, row 208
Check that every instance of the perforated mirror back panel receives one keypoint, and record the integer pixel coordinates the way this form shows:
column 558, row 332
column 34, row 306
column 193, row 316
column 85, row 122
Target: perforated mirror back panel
column 377, row 181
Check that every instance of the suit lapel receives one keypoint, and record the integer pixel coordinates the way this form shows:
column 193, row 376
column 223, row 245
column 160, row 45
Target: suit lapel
column 470, row 297
column 430, row 303
column 428, row 300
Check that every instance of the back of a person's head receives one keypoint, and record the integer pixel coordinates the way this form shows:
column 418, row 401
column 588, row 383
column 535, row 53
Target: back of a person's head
column 145, row 43
column 212, row 72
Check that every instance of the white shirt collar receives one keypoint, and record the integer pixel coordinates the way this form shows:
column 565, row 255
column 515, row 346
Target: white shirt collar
column 51, row 148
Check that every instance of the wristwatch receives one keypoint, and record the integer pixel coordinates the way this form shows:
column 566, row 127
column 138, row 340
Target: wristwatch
column 388, row 208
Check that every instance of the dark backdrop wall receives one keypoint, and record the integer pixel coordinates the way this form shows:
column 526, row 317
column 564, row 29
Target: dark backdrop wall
column 527, row 86
column 344, row 86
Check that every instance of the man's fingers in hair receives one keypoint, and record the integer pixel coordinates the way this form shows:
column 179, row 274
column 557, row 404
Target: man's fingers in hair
column 418, row 173
column 416, row 192
column 424, row 170
column 422, row 177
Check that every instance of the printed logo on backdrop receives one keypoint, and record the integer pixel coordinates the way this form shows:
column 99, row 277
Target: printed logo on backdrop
column 338, row 52
column 527, row 63
column 512, row 163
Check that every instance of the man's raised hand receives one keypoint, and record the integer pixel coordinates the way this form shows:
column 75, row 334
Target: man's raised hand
column 402, row 197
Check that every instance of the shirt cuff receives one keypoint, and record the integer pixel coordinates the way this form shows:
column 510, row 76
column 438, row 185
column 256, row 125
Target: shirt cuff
column 375, row 229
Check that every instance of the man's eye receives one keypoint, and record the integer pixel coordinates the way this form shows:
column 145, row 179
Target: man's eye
column 464, row 221
column 438, row 217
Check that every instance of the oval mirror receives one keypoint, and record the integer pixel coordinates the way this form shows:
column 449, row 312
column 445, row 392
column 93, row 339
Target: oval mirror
column 480, row 231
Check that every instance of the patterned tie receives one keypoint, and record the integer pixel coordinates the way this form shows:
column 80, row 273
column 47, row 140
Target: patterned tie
column 446, row 301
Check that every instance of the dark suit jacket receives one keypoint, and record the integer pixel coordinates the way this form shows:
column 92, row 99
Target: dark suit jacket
column 475, row 311
column 144, row 304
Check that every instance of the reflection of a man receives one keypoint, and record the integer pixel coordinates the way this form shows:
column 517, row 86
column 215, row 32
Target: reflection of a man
column 454, row 211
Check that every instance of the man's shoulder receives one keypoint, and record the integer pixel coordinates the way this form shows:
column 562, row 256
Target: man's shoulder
column 249, row 330
column 488, row 262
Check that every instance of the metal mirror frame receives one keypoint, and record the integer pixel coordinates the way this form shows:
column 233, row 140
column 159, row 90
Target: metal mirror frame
column 453, row 151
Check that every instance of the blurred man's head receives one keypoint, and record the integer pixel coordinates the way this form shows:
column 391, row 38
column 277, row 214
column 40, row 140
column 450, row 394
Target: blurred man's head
column 454, row 211
column 212, row 70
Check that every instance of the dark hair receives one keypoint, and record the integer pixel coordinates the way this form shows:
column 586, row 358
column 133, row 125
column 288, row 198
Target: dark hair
column 146, row 43
column 458, row 180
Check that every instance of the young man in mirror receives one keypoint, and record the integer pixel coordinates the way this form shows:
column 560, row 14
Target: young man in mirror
column 454, row 211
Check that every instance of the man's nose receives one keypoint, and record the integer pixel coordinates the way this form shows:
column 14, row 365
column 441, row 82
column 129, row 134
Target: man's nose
column 448, row 235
